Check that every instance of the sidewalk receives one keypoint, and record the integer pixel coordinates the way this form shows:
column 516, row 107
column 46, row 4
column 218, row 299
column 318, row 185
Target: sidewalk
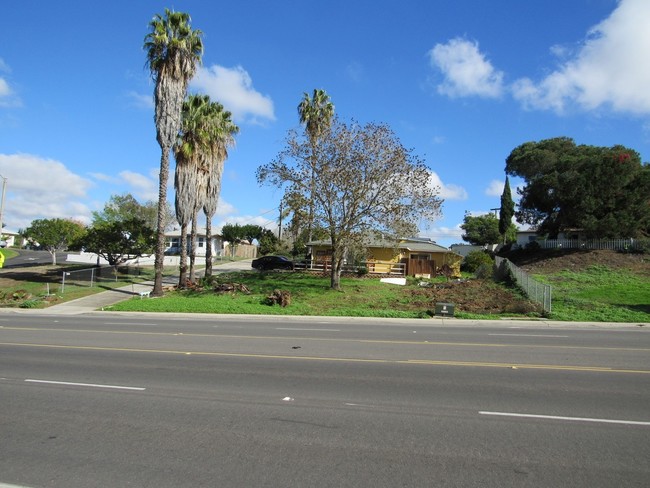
column 106, row 298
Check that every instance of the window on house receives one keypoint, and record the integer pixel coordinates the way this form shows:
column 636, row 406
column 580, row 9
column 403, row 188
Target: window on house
column 421, row 257
column 201, row 241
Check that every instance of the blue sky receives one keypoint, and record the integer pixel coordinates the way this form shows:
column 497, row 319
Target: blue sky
column 462, row 83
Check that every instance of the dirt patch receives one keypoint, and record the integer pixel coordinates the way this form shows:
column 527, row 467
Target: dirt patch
column 554, row 261
column 474, row 296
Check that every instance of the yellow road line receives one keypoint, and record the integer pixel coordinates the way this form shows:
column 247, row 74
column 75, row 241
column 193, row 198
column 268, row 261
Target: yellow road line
column 326, row 339
column 476, row 364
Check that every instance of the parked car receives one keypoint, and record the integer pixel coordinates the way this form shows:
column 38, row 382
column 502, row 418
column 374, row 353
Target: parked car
column 172, row 251
column 272, row 262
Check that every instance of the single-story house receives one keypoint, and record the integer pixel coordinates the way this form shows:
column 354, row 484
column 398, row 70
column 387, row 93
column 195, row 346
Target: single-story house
column 412, row 256
column 173, row 242
column 13, row 239
column 530, row 235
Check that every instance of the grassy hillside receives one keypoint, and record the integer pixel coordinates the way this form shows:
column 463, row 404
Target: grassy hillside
column 605, row 286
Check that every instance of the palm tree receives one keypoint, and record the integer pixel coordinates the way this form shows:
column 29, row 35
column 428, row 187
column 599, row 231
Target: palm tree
column 226, row 130
column 316, row 114
column 190, row 151
column 174, row 50
column 201, row 149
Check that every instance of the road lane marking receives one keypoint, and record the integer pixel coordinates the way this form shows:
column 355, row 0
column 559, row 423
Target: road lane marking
column 528, row 335
column 90, row 385
column 598, row 369
column 318, row 330
column 329, row 339
column 129, row 323
column 573, row 419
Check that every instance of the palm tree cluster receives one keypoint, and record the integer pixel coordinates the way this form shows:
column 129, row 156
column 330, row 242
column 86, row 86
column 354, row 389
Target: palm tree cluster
column 199, row 131
column 207, row 131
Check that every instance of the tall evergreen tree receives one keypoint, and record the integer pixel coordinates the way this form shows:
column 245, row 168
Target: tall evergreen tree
column 507, row 210
column 602, row 191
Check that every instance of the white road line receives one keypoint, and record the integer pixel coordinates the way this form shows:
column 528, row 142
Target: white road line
column 528, row 335
column 574, row 419
column 5, row 485
column 318, row 330
column 67, row 383
column 127, row 323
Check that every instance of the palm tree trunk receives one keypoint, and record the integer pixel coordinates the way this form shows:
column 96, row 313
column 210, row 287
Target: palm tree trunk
column 182, row 279
column 160, row 231
column 208, row 243
column 192, row 274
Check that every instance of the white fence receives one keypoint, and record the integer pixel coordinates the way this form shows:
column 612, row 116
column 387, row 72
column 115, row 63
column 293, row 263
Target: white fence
column 611, row 244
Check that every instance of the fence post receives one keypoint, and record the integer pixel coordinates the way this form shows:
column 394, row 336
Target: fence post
column 63, row 282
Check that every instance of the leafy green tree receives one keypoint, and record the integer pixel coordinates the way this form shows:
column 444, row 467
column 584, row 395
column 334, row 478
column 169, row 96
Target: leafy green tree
column 481, row 230
column 475, row 259
column 54, row 235
column 174, row 50
column 268, row 242
column 119, row 241
column 602, row 191
column 506, row 211
column 233, row 234
column 315, row 113
column 252, row 232
column 366, row 180
column 123, row 207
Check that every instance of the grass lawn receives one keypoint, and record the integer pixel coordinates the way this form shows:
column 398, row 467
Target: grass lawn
column 599, row 293
column 310, row 295
column 41, row 286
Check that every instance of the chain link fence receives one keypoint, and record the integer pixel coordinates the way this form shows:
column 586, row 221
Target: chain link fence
column 90, row 277
column 535, row 290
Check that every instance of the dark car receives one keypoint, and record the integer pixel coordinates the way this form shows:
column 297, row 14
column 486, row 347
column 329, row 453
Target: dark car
column 272, row 262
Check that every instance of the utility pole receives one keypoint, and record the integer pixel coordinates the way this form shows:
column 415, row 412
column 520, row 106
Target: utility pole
column 280, row 223
column 2, row 202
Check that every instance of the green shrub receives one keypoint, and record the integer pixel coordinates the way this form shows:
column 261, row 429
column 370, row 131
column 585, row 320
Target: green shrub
column 475, row 259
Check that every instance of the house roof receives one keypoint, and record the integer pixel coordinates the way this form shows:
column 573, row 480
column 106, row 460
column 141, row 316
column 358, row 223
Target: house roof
column 200, row 231
column 413, row 244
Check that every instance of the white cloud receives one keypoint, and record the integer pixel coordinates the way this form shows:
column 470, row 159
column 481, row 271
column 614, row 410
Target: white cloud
column 8, row 97
column 224, row 208
column 465, row 69
column 610, row 69
column 495, row 188
column 141, row 101
column 233, row 88
column 41, row 188
column 104, row 178
column 355, row 71
column 448, row 191
column 5, row 91
column 444, row 235
column 144, row 187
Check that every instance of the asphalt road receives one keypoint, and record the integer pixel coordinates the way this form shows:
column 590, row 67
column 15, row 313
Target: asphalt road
column 27, row 258
column 114, row 400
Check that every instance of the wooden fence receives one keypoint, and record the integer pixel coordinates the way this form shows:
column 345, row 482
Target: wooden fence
column 373, row 267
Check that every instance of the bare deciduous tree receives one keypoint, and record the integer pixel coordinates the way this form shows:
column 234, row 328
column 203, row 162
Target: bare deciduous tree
column 365, row 180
